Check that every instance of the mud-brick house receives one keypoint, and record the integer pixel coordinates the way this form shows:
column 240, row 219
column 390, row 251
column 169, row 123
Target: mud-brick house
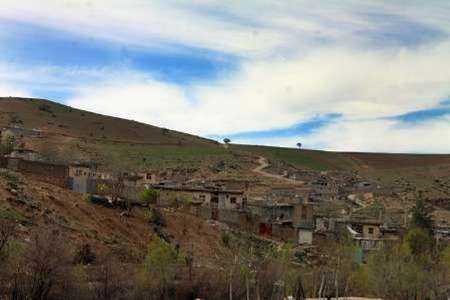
column 303, row 222
column 292, row 222
column 230, row 199
column 26, row 154
column 82, row 177
column 366, row 233
column 215, row 198
column 147, row 178
column 171, row 194
column 271, row 212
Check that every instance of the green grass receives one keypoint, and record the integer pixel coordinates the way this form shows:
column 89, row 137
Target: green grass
column 135, row 156
column 295, row 157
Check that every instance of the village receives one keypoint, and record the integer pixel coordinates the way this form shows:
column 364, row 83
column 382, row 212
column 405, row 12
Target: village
column 317, row 207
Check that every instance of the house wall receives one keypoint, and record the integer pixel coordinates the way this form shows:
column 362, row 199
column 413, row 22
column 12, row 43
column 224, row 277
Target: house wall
column 371, row 231
column 83, row 184
column 324, row 224
column 50, row 173
column 169, row 197
column 303, row 215
column 80, row 171
column 203, row 212
column 230, row 201
column 234, row 218
column 305, row 236
column 284, row 232
column 369, row 244
column 147, row 178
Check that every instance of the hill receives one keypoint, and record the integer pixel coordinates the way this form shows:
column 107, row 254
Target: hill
column 329, row 160
column 70, row 134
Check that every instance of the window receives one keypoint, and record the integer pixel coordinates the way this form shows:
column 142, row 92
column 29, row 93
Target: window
column 233, row 200
column 371, row 230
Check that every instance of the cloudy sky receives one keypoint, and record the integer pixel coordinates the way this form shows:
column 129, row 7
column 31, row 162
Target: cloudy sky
column 335, row 75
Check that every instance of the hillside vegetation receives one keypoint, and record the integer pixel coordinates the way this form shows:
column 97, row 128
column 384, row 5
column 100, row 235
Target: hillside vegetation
column 118, row 144
column 328, row 160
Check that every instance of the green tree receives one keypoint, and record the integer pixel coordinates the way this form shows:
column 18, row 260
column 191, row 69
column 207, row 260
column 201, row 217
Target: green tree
column 149, row 197
column 421, row 215
column 7, row 144
column 417, row 242
column 160, row 267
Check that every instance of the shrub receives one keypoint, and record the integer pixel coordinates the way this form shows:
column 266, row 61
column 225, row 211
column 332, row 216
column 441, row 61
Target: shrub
column 89, row 199
column 226, row 239
column 149, row 197
column 154, row 216
column 45, row 107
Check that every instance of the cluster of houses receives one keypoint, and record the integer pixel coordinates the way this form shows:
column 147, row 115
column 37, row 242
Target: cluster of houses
column 284, row 214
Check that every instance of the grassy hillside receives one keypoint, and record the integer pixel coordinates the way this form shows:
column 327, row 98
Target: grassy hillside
column 65, row 120
column 118, row 144
column 328, row 160
column 72, row 134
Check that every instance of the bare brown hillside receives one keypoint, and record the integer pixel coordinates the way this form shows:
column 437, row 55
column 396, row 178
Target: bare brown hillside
column 36, row 205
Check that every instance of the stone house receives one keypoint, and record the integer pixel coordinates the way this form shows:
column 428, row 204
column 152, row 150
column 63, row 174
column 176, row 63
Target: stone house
column 26, row 154
column 303, row 222
column 228, row 199
column 147, row 178
column 289, row 221
column 215, row 198
column 82, row 178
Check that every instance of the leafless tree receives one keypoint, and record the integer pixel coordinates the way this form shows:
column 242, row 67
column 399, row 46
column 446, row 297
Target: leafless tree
column 109, row 279
column 47, row 261
column 7, row 230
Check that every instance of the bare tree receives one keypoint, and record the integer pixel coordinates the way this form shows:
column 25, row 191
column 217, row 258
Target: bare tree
column 47, row 262
column 7, row 230
column 109, row 278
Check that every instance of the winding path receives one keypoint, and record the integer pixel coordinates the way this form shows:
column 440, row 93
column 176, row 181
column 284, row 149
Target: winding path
column 263, row 163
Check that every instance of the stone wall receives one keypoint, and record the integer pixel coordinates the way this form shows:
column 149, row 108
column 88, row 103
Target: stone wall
column 50, row 173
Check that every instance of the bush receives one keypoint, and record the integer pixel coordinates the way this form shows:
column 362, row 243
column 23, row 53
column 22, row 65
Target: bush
column 226, row 239
column 153, row 216
column 46, row 108
column 89, row 199
column 149, row 197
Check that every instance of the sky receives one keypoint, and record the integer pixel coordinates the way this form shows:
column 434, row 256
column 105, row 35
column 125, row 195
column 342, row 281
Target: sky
column 334, row 75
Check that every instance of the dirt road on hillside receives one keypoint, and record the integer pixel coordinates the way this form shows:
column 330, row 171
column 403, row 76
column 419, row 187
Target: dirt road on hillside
column 263, row 163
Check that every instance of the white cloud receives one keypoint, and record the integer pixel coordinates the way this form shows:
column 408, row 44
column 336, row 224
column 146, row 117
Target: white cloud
column 268, row 95
column 299, row 59
column 243, row 28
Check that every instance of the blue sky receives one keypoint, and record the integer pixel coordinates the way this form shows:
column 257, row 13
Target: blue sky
column 347, row 75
